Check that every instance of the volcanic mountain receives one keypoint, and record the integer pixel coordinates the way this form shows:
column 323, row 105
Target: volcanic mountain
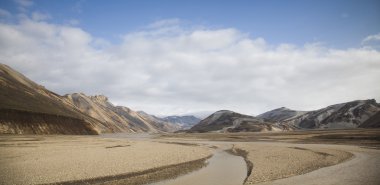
column 358, row 113
column 229, row 121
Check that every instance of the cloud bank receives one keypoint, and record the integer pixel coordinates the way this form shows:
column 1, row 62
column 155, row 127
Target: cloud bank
column 167, row 68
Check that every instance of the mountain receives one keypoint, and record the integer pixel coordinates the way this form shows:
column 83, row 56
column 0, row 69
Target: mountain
column 229, row 121
column 354, row 114
column 29, row 108
column 184, row 122
column 161, row 124
column 280, row 114
column 119, row 118
column 359, row 113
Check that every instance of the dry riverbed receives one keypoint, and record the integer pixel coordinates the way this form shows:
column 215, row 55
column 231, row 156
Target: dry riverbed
column 51, row 159
column 293, row 155
column 270, row 157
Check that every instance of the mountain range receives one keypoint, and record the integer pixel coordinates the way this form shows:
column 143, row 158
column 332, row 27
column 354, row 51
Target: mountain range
column 359, row 113
column 185, row 122
column 354, row 114
column 29, row 108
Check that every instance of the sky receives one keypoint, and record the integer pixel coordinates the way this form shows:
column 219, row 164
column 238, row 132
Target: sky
column 171, row 57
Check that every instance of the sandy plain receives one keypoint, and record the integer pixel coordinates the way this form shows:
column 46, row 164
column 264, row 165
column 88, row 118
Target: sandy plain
column 316, row 157
column 52, row 159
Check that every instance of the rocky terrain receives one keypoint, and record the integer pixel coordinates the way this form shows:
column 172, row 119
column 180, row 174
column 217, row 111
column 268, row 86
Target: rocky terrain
column 119, row 118
column 229, row 121
column 354, row 114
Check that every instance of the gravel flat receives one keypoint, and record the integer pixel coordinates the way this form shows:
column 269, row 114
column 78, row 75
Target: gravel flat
column 50, row 159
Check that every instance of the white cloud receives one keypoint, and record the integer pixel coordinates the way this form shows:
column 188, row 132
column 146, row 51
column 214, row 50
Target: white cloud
column 170, row 69
column 375, row 37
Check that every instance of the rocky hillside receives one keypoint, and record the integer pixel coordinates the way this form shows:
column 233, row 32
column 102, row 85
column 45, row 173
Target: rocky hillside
column 229, row 121
column 354, row 114
column 345, row 115
column 28, row 108
column 280, row 114
column 359, row 113
column 119, row 118
column 25, row 122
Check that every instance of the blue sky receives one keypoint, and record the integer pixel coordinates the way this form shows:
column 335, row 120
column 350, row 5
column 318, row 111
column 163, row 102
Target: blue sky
column 336, row 23
column 177, row 57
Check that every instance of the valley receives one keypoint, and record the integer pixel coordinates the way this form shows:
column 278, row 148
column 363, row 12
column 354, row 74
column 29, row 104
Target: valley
column 160, row 92
column 47, row 138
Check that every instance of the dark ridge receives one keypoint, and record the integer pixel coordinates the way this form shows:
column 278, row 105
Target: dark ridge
column 27, row 122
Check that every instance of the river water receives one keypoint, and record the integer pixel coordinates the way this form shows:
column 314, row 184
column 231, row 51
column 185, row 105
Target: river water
column 223, row 169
